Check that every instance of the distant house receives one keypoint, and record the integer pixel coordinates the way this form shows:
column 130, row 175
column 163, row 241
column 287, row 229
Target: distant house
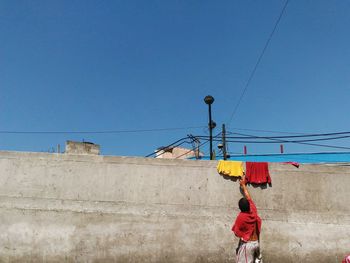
column 177, row 153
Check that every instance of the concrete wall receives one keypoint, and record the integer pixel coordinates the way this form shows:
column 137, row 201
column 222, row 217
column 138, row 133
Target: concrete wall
column 71, row 208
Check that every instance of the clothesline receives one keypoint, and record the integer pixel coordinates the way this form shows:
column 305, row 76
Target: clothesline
column 255, row 172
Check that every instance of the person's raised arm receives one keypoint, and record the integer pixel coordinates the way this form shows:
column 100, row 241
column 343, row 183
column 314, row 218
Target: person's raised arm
column 242, row 183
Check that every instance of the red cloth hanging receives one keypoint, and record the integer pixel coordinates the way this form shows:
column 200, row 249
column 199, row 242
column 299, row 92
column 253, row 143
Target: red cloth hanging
column 293, row 163
column 257, row 173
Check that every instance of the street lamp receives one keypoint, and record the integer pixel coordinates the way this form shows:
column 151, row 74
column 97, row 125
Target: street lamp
column 209, row 100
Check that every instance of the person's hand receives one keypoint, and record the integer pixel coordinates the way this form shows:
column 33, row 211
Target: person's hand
column 242, row 181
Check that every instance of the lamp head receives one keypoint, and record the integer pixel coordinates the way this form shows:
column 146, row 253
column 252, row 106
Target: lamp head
column 209, row 100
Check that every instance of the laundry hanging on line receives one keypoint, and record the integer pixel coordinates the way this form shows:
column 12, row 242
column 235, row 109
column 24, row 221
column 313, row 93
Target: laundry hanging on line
column 257, row 173
column 230, row 168
column 295, row 164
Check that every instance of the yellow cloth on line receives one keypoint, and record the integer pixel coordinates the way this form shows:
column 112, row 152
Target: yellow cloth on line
column 230, row 168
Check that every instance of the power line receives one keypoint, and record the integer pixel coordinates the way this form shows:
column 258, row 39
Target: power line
column 300, row 141
column 288, row 141
column 177, row 157
column 163, row 149
column 100, row 132
column 198, row 145
column 306, row 143
column 170, row 145
column 269, row 131
column 345, row 135
column 258, row 61
column 269, row 139
column 282, row 139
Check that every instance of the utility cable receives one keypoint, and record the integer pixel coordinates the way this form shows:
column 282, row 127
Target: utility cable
column 258, row 61
column 98, row 132
column 177, row 157
column 162, row 148
column 306, row 143
column 269, row 131
column 293, row 141
column 198, row 146
column 346, row 135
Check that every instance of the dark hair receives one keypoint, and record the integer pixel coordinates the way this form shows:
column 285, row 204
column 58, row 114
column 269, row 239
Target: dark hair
column 244, row 205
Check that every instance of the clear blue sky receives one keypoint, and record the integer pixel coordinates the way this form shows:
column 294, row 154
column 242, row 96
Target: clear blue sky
column 140, row 65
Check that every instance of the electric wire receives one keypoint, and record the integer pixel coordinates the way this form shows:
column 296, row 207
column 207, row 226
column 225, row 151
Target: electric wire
column 300, row 141
column 200, row 145
column 292, row 136
column 269, row 131
column 292, row 141
column 244, row 138
column 162, row 148
column 99, row 132
column 177, row 157
column 306, row 143
column 281, row 139
column 258, row 61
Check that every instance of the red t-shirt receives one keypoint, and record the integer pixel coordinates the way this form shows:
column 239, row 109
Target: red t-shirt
column 346, row 259
column 246, row 222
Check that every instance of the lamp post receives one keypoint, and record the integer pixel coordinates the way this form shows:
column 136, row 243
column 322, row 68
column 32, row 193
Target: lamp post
column 209, row 100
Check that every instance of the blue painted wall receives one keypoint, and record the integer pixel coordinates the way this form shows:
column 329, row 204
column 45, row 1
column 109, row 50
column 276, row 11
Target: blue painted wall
column 296, row 157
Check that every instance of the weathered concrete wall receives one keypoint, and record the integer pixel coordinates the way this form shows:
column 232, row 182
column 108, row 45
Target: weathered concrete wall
column 70, row 208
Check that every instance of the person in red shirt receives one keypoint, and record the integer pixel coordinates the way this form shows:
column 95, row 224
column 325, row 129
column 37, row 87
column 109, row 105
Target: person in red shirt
column 346, row 259
column 247, row 227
